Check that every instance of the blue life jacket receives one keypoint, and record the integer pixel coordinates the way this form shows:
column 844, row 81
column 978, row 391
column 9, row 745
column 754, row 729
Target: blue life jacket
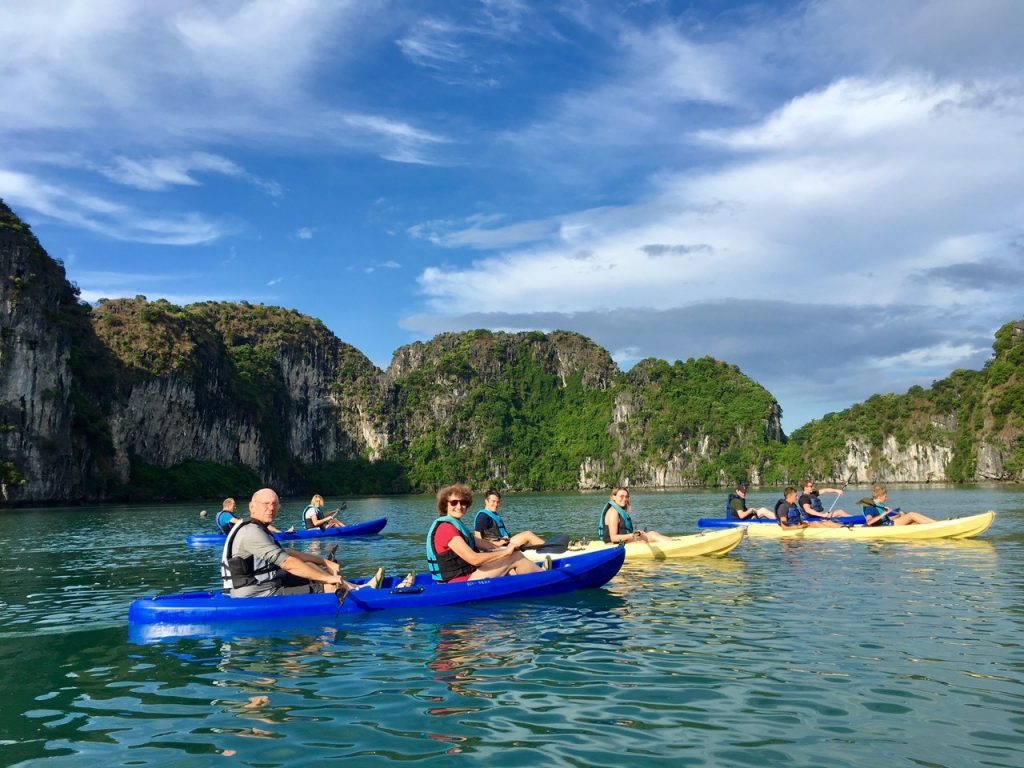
column 729, row 511
column 624, row 519
column 448, row 565
column 496, row 523
column 223, row 521
column 788, row 513
column 307, row 519
column 816, row 501
column 878, row 509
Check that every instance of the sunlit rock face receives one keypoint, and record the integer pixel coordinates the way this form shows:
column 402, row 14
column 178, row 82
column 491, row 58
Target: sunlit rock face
column 35, row 372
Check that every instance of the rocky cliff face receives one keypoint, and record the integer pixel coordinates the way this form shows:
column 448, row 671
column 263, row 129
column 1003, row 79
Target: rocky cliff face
column 93, row 399
column 894, row 463
column 229, row 384
column 39, row 457
column 967, row 427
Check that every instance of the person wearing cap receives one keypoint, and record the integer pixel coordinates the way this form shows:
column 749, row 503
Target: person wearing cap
column 736, row 506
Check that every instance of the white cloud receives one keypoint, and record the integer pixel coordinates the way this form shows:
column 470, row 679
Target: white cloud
column 305, row 233
column 275, row 281
column 97, row 214
column 869, row 193
column 157, row 173
column 119, row 73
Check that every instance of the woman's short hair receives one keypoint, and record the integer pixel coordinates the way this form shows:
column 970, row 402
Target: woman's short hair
column 458, row 489
column 317, row 500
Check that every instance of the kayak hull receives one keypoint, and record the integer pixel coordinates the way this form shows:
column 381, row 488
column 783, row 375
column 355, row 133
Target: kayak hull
column 205, row 609
column 728, row 522
column 367, row 528
column 955, row 528
column 705, row 543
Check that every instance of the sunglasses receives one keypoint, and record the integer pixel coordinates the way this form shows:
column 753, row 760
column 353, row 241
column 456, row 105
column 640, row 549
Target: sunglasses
column 458, row 503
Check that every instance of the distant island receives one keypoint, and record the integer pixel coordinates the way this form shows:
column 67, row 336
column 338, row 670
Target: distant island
column 133, row 399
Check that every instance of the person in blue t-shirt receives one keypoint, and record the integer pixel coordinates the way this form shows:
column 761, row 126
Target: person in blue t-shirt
column 876, row 513
column 226, row 519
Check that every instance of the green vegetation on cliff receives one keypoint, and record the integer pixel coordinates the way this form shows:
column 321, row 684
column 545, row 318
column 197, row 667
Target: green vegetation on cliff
column 720, row 423
column 963, row 412
column 537, row 411
column 503, row 409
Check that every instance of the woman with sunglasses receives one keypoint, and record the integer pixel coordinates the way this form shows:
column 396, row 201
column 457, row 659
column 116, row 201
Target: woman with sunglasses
column 616, row 526
column 452, row 552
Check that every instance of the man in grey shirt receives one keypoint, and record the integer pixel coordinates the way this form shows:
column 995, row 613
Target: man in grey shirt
column 253, row 564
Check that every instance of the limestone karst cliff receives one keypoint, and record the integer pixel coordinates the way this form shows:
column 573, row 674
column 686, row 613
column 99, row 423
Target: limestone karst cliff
column 966, row 427
column 144, row 399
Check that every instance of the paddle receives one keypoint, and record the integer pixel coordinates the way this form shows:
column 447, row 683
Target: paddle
column 334, row 512
column 836, row 499
column 866, row 502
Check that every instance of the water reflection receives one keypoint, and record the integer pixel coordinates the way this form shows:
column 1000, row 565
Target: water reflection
column 782, row 653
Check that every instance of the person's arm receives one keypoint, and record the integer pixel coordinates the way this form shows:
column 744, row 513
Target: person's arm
column 459, row 546
column 311, row 567
column 737, row 509
column 307, row 570
column 836, row 491
column 879, row 513
column 301, row 564
column 810, row 511
column 317, row 521
column 781, row 518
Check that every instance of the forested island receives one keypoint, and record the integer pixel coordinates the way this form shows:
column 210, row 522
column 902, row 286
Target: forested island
column 138, row 399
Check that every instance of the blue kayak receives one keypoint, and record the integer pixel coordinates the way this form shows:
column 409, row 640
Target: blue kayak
column 355, row 529
column 728, row 522
column 192, row 612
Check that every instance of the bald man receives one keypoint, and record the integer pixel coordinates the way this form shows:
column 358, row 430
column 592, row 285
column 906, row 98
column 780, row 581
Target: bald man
column 254, row 565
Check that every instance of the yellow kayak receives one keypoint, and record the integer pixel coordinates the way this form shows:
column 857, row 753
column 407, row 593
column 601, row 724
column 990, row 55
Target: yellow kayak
column 956, row 528
column 712, row 542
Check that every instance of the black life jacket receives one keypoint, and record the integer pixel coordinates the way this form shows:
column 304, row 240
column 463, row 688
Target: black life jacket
column 448, row 565
column 624, row 518
column 729, row 511
column 494, row 529
column 237, row 572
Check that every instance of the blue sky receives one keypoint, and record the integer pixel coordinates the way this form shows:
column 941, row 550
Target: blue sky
column 828, row 194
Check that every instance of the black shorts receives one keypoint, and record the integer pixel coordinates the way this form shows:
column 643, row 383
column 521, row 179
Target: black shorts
column 296, row 585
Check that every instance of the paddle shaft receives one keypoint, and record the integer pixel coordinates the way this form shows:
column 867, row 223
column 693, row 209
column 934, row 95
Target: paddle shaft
column 836, row 499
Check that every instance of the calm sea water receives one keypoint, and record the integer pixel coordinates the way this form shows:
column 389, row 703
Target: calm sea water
column 780, row 654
